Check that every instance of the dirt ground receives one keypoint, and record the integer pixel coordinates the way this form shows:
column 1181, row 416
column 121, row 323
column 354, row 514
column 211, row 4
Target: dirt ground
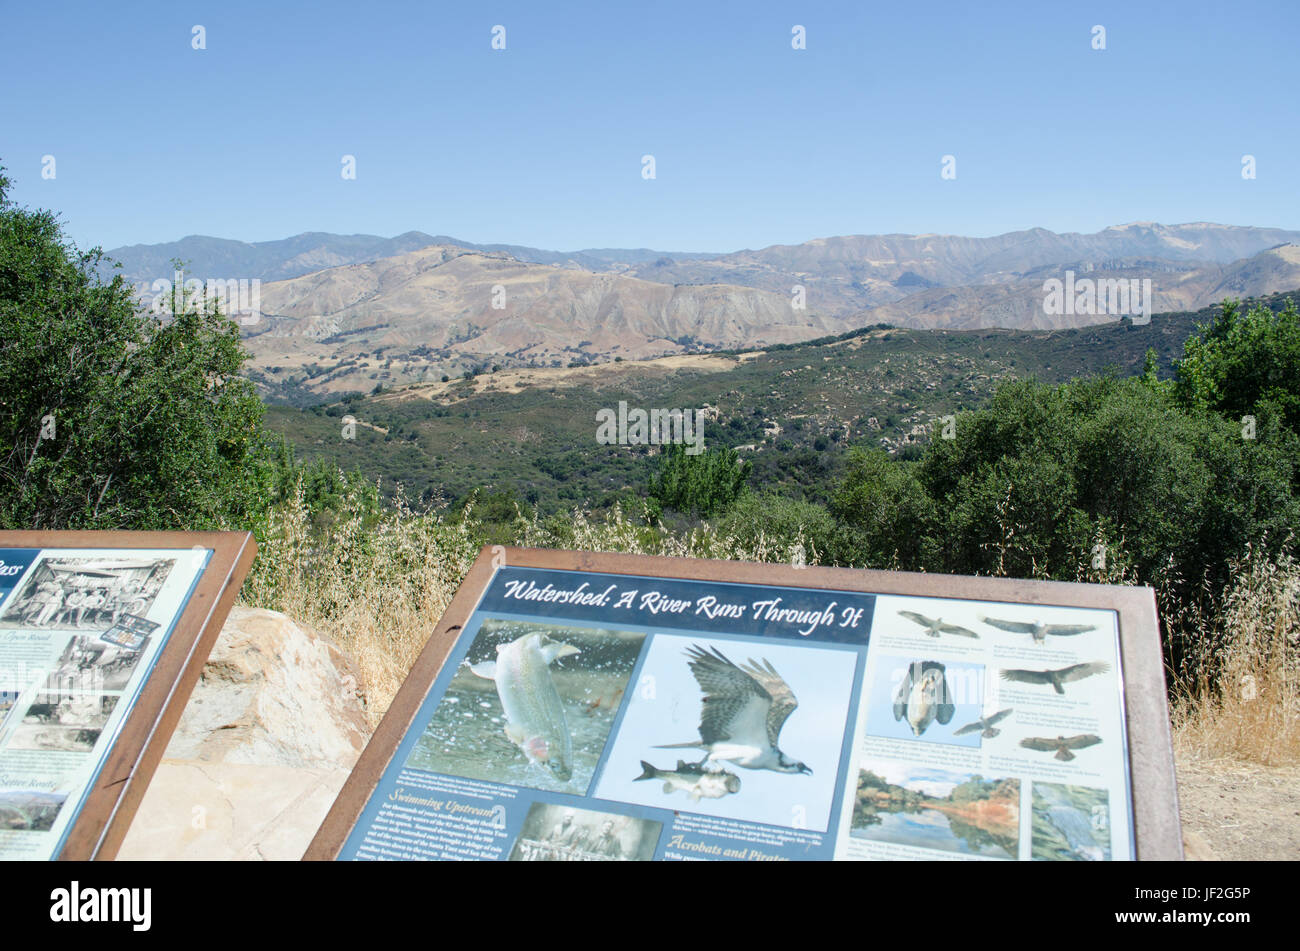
column 1234, row 810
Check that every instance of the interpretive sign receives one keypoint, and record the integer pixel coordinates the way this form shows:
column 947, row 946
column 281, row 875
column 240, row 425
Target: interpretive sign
column 575, row 706
column 102, row 637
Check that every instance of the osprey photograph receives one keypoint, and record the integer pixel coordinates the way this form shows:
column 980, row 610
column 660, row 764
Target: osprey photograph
column 749, row 730
column 919, row 698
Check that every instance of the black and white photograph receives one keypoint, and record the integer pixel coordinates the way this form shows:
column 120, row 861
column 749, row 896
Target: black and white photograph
column 68, row 723
column 81, row 594
column 557, row 833
column 92, row 663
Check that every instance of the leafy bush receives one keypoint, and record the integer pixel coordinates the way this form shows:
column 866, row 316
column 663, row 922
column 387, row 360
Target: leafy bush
column 114, row 418
column 704, row 484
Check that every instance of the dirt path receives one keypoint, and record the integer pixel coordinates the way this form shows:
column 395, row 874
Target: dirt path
column 1239, row 810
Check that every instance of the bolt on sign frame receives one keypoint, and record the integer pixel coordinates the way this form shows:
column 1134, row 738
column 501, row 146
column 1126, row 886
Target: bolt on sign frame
column 103, row 635
column 402, row 801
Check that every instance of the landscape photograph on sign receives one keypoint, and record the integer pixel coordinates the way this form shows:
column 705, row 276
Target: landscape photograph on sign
column 532, row 705
column 745, row 729
column 931, row 808
column 29, row 810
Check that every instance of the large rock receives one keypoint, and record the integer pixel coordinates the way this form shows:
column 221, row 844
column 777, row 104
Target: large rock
column 273, row 694
column 266, row 741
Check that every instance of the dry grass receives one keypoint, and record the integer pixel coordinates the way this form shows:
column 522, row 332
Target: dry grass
column 1245, row 702
column 374, row 585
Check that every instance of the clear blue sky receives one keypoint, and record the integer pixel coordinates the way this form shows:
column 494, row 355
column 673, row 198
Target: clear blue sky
column 541, row 144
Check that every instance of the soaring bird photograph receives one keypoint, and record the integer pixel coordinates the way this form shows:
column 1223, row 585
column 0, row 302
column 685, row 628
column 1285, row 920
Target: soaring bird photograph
column 936, row 626
column 986, row 727
column 1057, row 678
column 1038, row 630
column 1063, row 745
column 774, row 714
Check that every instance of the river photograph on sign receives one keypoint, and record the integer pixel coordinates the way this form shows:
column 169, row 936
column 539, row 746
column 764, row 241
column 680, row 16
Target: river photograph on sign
column 532, row 705
column 938, row 809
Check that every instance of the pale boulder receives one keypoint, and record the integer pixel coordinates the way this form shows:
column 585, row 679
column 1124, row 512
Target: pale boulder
column 267, row 739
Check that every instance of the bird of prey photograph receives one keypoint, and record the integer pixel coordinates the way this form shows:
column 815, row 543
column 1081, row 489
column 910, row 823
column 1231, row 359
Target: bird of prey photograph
column 985, row 725
column 934, row 627
column 744, row 710
column 1038, row 629
column 924, row 696
column 1062, row 744
column 1057, row 678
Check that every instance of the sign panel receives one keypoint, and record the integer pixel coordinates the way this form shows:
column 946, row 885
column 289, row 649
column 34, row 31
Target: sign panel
column 102, row 635
column 603, row 707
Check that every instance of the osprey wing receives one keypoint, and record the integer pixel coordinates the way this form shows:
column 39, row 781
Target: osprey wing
column 783, row 698
column 969, row 728
column 1079, row 671
column 920, row 619
column 958, row 629
column 1028, row 676
column 1018, row 627
column 1062, row 630
column 728, row 691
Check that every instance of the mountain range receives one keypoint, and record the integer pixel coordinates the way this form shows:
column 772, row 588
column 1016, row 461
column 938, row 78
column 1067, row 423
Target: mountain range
column 344, row 313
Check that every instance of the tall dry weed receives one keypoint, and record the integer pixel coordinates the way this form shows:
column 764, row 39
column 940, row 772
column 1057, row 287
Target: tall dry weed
column 1242, row 699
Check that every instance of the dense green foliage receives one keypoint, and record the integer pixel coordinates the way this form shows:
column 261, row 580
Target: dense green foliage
column 113, row 418
column 702, row 484
column 1245, row 364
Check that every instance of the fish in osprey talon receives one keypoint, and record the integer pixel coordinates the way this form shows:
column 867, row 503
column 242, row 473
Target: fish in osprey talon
column 934, row 627
column 985, row 725
column 697, row 780
column 1057, row 678
column 535, row 720
column 743, row 713
column 924, row 696
column 1062, row 744
column 1038, row 629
